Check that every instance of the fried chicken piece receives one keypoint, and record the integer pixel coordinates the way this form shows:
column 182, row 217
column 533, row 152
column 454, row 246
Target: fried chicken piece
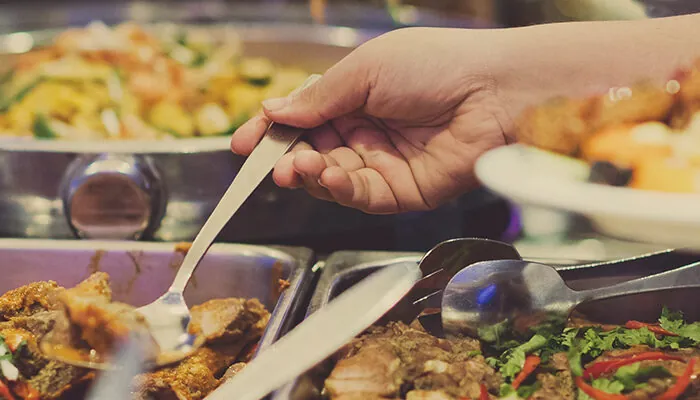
column 643, row 102
column 688, row 98
column 559, row 125
column 228, row 320
column 29, row 299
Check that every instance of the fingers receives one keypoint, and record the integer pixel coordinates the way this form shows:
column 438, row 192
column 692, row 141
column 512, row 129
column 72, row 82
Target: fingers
column 341, row 90
column 248, row 135
column 364, row 189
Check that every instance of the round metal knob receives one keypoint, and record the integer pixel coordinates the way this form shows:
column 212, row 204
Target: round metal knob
column 111, row 196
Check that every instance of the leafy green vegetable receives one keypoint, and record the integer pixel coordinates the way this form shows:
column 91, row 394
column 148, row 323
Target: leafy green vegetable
column 673, row 321
column 631, row 375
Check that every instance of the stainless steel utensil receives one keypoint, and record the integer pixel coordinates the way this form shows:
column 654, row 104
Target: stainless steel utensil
column 439, row 265
column 526, row 293
column 321, row 334
column 168, row 316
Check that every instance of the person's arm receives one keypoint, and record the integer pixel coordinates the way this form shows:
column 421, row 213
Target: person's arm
column 529, row 65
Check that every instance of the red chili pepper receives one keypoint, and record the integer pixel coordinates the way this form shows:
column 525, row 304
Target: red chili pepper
column 597, row 394
column 484, row 393
column 5, row 392
column 652, row 327
column 609, row 366
column 531, row 363
column 681, row 384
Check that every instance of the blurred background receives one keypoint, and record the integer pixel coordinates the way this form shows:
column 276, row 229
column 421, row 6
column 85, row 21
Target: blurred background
column 275, row 216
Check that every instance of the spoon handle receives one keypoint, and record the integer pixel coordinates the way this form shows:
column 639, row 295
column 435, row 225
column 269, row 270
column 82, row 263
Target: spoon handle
column 275, row 143
column 687, row 276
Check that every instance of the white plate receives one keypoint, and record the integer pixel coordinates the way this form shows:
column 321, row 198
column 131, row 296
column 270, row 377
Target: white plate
column 528, row 176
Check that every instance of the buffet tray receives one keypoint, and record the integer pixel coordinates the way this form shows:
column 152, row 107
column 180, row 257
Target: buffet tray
column 341, row 270
column 140, row 272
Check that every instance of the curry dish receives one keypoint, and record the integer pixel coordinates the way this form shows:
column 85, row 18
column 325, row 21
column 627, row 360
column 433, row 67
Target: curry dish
column 646, row 136
column 581, row 360
column 85, row 317
column 127, row 82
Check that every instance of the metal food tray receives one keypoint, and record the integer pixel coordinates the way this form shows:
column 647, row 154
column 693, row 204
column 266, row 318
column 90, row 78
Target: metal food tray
column 140, row 272
column 343, row 269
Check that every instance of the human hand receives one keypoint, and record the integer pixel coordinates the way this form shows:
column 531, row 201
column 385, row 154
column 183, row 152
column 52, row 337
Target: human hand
column 395, row 126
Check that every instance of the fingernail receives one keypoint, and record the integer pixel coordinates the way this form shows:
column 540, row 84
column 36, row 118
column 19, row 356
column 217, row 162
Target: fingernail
column 321, row 184
column 276, row 104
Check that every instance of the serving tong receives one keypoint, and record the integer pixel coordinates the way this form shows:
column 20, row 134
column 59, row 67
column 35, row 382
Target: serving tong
column 468, row 295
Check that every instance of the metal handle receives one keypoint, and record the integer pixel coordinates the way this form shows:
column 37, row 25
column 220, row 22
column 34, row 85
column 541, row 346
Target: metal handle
column 275, row 143
column 687, row 276
column 112, row 196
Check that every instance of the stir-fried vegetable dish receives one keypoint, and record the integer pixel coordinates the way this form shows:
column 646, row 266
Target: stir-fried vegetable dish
column 576, row 360
column 646, row 136
column 127, row 82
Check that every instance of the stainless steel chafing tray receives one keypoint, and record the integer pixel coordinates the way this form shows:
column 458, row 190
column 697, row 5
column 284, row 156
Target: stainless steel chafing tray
column 343, row 269
column 140, row 272
column 161, row 190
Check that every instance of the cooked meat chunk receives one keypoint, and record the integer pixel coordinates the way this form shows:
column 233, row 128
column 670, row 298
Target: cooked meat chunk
column 226, row 320
column 56, row 378
column 390, row 361
column 191, row 379
column 559, row 125
column 28, row 300
column 643, row 102
column 102, row 323
column 373, row 371
column 198, row 374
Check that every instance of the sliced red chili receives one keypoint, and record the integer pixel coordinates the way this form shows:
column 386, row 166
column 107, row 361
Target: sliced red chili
column 610, row 366
column 484, row 393
column 597, row 394
column 531, row 363
column 5, row 392
column 652, row 327
column 681, row 384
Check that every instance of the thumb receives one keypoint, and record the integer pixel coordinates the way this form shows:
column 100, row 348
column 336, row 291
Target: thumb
column 341, row 90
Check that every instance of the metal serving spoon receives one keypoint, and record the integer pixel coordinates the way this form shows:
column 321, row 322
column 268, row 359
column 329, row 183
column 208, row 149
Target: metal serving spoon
column 526, row 293
column 168, row 316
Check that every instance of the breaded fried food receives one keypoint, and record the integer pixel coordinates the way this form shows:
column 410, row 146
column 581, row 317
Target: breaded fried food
column 29, row 299
column 559, row 125
column 643, row 102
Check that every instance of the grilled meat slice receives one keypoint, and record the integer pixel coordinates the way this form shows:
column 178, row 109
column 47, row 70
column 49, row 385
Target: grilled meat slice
column 29, row 299
column 372, row 372
column 228, row 320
